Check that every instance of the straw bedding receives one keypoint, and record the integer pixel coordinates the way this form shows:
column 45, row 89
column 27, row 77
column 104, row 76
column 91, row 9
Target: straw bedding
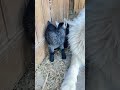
column 49, row 76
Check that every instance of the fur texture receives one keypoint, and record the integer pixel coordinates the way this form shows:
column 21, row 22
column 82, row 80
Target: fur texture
column 55, row 37
column 76, row 39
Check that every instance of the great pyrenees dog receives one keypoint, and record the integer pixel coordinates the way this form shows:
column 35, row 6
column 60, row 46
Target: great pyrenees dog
column 76, row 39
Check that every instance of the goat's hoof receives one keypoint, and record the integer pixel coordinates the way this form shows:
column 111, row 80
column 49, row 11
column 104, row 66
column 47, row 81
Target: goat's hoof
column 51, row 57
column 64, row 57
column 68, row 86
column 51, row 60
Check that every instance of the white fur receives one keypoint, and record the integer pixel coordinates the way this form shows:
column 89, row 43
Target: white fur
column 76, row 39
column 56, row 23
column 64, row 25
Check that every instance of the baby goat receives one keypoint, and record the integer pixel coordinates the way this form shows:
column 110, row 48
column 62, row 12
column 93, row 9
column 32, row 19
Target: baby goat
column 76, row 39
column 55, row 37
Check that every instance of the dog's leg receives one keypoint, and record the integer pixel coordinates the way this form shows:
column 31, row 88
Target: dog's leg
column 70, row 79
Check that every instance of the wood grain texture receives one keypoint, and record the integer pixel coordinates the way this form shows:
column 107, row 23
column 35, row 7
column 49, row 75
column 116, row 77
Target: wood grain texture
column 39, row 20
column 60, row 10
column 42, row 15
column 71, row 4
column 54, row 11
column 66, row 9
column 78, row 5
column 46, row 11
column 36, row 41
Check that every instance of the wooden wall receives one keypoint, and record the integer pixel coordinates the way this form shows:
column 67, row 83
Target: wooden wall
column 78, row 5
column 47, row 10
column 51, row 10
column 14, row 48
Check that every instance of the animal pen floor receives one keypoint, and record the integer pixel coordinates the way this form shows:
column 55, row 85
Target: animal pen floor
column 49, row 76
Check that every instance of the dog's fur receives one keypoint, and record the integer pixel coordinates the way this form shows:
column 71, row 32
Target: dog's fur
column 76, row 39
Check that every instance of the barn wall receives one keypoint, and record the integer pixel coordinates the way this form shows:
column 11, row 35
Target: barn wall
column 14, row 48
column 51, row 10
column 78, row 4
column 47, row 10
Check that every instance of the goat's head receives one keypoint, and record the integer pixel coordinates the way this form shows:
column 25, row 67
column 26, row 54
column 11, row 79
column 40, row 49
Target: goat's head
column 61, row 24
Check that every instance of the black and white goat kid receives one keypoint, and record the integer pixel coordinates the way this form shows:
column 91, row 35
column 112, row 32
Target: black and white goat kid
column 55, row 38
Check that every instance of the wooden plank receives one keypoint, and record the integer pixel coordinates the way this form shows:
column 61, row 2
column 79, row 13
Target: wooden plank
column 54, row 11
column 71, row 4
column 40, row 53
column 78, row 5
column 66, row 9
column 13, row 11
column 3, row 33
column 36, row 41
column 60, row 10
column 46, row 11
column 81, row 4
column 42, row 15
column 39, row 20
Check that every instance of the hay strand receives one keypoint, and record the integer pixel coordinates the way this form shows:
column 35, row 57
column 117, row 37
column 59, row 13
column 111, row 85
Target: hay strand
column 45, row 81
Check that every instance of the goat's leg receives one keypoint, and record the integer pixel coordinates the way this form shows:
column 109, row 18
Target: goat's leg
column 70, row 79
column 51, row 52
column 63, row 52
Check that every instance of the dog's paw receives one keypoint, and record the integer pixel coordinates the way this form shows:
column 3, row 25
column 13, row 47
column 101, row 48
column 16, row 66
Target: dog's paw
column 68, row 85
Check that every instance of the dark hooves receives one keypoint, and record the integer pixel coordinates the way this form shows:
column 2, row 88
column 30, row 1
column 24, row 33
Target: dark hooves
column 64, row 56
column 51, row 58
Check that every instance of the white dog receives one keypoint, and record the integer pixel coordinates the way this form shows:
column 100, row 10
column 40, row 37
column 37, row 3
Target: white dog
column 76, row 39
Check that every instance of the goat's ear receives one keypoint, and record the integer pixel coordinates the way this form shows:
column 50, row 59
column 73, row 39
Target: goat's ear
column 65, row 23
column 48, row 22
column 56, row 22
